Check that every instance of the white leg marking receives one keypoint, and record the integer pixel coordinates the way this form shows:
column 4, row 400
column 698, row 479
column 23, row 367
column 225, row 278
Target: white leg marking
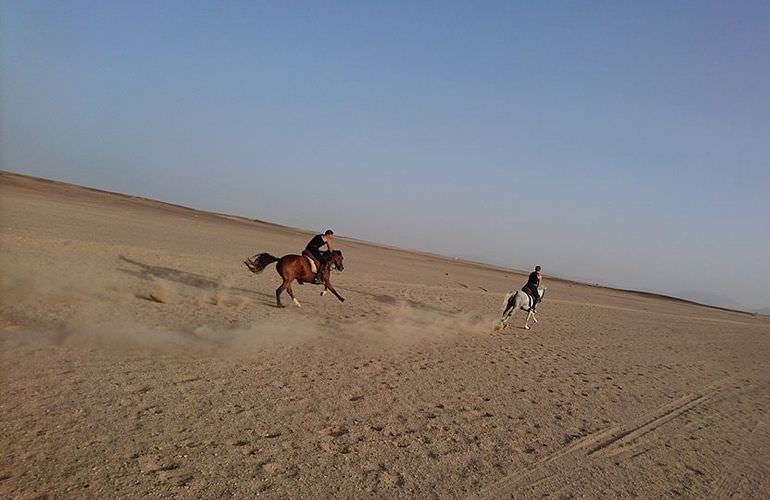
column 323, row 293
column 296, row 302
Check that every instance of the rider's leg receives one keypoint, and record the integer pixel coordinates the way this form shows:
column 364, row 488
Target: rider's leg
column 319, row 264
column 320, row 276
column 535, row 298
column 316, row 258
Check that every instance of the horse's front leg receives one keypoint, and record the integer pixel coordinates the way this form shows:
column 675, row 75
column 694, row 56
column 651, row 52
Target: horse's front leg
column 323, row 292
column 331, row 289
column 526, row 322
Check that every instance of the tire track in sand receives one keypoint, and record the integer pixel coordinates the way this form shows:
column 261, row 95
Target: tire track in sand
column 609, row 442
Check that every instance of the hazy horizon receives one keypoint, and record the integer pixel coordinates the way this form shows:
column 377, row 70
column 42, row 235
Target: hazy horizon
column 623, row 144
column 706, row 299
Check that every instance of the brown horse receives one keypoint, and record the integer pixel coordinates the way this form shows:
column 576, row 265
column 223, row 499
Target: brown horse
column 296, row 267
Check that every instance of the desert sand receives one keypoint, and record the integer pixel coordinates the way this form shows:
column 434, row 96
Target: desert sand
column 404, row 390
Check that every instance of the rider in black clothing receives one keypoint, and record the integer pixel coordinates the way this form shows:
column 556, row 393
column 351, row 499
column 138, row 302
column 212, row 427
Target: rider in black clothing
column 314, row 249
column 534, row 281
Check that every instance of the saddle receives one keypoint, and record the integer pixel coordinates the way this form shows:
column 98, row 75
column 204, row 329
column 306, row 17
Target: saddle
column 528, row 291
column 306, row 255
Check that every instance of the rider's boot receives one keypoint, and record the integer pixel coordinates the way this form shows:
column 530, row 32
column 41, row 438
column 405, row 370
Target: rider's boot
column 319, row 276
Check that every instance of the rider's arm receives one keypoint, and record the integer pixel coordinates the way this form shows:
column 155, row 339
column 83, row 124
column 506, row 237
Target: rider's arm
column 539, row 278
column 329, row 245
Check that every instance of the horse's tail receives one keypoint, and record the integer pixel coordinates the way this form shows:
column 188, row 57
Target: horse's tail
column 260, row 262
column 507, row 298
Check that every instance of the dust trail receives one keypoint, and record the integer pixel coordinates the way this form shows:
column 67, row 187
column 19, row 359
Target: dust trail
column 99, row 325
column 94, row 318
column 406, row 325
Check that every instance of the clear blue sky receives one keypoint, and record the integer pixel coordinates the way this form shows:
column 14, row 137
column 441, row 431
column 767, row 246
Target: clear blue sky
column 626, row 143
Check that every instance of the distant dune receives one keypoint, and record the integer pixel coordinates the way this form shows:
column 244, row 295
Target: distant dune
column 690, row 297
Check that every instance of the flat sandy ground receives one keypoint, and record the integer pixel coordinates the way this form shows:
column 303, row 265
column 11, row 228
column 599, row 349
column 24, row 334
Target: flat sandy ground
column 404, row 390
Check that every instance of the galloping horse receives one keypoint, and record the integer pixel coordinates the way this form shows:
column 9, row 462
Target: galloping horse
column 518, row 300
column 296, row 267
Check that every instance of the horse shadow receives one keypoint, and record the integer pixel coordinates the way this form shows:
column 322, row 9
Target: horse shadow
column 148, row 272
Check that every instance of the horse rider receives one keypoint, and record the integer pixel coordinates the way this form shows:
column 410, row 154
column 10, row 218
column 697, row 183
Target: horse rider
column 534, row 281
column 313, row 250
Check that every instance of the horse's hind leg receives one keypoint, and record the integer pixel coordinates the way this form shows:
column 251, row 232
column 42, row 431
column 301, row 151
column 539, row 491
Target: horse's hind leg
column 279, row 291
column 506, row 316
column 511, row 312
column 291, row 294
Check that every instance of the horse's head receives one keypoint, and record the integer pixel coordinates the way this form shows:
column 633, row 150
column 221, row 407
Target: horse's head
column 337, row 260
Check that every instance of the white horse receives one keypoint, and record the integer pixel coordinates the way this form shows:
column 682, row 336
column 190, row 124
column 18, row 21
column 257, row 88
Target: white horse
column 518, row 300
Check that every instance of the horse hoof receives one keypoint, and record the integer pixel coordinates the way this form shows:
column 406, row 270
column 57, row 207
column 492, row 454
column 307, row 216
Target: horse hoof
column 281, row 306
column 296, row 303
column 527, row 327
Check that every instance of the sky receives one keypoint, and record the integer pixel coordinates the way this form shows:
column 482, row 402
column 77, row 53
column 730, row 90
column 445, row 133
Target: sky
column 624, row 143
